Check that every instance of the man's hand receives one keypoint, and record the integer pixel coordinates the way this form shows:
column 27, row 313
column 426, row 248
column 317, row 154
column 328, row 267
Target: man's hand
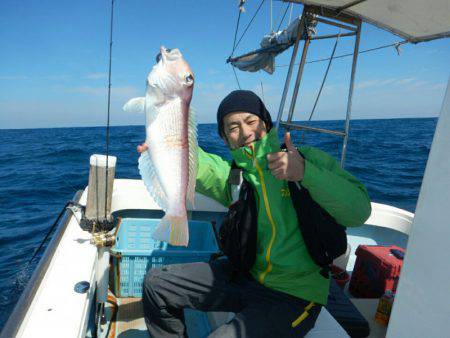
column 142, row 147
column 289, row 166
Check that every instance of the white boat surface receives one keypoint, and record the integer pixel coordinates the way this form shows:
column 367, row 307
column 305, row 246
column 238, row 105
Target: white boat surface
column 56, row 307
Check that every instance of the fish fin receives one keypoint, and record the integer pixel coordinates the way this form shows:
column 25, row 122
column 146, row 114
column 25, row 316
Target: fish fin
column 173, row 230
column 151, row 181
column 193, row 156
column 136, row 105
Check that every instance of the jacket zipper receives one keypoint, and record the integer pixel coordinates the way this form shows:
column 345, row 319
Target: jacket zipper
column 303, row 316
column 269, row 215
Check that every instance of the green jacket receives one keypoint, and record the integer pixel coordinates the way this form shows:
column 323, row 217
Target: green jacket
column 282, row 260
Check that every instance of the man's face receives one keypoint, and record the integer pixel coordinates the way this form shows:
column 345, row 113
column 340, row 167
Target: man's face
column 242, row 129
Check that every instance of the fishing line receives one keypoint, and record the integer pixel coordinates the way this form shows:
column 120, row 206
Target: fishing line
column 51, row 229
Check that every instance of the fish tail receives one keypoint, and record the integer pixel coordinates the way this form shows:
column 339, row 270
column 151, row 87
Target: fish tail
column 173, row 230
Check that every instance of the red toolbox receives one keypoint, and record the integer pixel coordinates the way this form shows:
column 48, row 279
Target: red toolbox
column 376, row 270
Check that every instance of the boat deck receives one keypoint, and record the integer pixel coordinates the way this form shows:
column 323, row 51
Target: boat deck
column 124, row 318
column 129, row 321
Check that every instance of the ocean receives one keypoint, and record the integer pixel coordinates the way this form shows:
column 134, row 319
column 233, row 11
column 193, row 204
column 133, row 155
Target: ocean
column 41, row 169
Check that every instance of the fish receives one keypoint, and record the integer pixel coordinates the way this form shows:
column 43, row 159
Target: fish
column 169, row 166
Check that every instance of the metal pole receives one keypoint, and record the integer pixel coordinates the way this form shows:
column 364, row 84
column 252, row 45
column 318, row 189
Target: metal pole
column 321, row 37
column 291, row 67
column 298, row 80
column 308, row 128
column 336, row 24
column 350, row 94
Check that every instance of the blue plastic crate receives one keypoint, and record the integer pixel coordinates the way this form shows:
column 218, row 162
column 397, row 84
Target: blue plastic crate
column 136, row 252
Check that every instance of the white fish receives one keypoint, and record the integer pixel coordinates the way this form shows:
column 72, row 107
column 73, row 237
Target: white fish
column 169, row 166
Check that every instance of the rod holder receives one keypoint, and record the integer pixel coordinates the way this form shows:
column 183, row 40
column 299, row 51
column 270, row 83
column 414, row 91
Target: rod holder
column 101, row 179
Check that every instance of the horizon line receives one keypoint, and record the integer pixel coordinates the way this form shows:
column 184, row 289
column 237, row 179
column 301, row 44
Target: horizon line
column 135, row 125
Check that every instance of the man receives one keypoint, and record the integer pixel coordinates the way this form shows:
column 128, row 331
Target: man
column 283, row 293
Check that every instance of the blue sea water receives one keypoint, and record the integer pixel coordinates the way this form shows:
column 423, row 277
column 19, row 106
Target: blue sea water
column 41, row 169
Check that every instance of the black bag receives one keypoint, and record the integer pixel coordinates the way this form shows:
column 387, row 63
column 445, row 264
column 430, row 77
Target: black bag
column 237, row 233
column 324, row 238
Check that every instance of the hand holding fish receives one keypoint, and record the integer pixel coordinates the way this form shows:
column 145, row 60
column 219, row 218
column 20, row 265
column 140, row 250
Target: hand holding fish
column 168, row 161
column 142, row 147
column 287, row 165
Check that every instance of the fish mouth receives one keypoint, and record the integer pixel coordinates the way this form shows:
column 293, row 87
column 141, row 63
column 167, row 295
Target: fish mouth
column 163, row 51
column 158, row 57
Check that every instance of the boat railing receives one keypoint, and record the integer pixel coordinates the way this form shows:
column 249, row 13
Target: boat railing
column 346, row 22
column 387, row 216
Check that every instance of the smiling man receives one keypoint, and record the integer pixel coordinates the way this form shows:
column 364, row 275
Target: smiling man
column 279, row 289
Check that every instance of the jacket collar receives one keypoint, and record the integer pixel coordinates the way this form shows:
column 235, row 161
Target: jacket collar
column 245, row 156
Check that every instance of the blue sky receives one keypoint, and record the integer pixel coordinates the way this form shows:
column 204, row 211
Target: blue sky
column 54, row 61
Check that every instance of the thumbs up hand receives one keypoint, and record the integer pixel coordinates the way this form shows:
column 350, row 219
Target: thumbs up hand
column 289, row 165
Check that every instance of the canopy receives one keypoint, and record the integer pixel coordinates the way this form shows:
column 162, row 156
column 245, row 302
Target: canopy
column 271, row 45
column 414, row 20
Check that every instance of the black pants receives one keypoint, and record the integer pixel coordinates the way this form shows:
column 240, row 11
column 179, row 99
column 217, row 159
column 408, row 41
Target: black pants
column 260, row 311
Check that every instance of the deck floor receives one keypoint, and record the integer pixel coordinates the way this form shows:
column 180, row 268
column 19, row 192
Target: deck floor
column 129, row 321
column 368, row 308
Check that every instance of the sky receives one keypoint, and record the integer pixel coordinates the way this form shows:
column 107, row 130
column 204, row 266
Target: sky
column 54, row 62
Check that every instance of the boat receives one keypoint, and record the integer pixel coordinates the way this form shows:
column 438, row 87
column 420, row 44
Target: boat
column 83, row 301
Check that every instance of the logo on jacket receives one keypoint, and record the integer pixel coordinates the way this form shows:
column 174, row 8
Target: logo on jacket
column 285, row 192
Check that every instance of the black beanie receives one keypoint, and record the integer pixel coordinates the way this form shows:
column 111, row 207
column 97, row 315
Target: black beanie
column 244, row 101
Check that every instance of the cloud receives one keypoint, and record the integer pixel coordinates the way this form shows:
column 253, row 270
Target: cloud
column 374, row 83
column 95, row 76
column 403, row 83
column 125, row 91
column 61, row 77
column 213, row 72
column 89, row 90
column 24, row 77
column 218, row 86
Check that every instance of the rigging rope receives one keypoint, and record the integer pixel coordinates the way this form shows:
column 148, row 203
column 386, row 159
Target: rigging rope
column 290, row 14
column 323, row 83
column 325, row 77
column 248, row 25
column 271, row 16
column 396, row 45
column 262, row 87
column 235, row 75
column 109, row 105
column 241, row 3
column 241, row 9
column 282, row 19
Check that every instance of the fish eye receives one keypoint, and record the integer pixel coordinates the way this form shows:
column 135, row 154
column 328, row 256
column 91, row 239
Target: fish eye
column 168, row 50
column 189, row 78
